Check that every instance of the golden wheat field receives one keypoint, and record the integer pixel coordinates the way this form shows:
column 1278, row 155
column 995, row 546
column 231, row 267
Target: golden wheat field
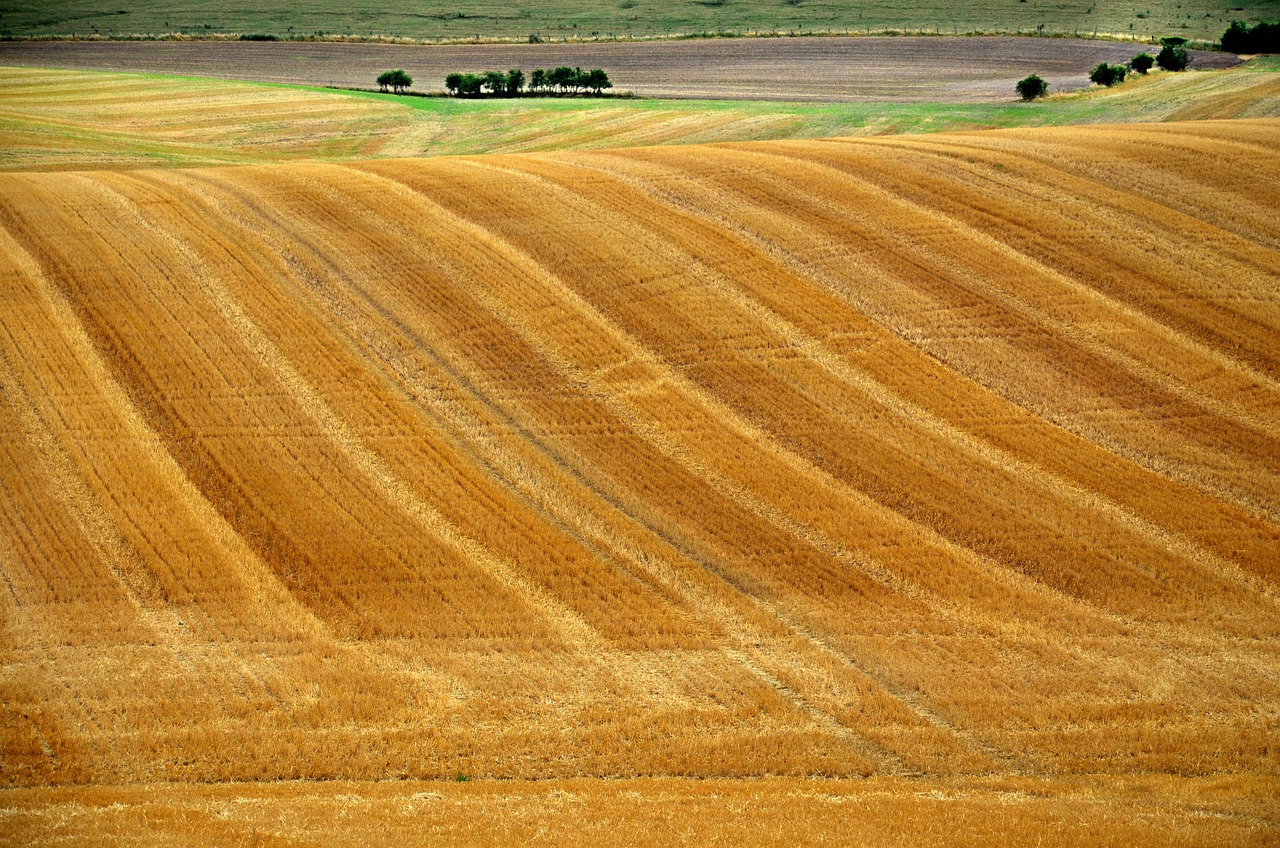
column 950, row 462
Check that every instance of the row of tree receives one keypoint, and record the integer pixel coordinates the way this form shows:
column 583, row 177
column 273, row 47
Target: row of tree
column 1172, row 57
column 560, row 81
column 1263, row 38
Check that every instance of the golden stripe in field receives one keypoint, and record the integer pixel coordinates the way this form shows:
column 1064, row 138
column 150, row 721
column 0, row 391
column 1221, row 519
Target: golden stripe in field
column 910, row 456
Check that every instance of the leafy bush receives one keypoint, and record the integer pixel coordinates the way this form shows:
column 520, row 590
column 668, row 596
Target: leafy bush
column 398, row 80
column 1142, row 62
column 1173, row 57
column 1263, row 38
column 257, row 36
column 1108, row 75
column 1032, row 87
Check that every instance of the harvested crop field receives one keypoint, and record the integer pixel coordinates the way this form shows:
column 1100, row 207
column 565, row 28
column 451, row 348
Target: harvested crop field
column 939, row 460
column 73, row 120
column 791, row 69
column 782, row 812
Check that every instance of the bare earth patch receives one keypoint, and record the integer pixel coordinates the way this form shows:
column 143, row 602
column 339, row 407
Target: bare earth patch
column 909, row 69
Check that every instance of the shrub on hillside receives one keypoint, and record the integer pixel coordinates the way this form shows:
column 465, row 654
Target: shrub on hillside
column 1032, row 87
column 1173, row 57
column 1108, row 75
column 1142, row 62
column 1263, row 38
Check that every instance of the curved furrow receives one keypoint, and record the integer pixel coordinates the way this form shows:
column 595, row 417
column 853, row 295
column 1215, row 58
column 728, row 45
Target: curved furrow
column 794, row 342
column 947, row 456
column 1227, row 378
column 822, row 335
column 615, row 398
column 397, row 339
column 1226, row 179
column 536, row 550
column 940, row 279
column 627, row 382
column 139, row 448
column 752, row 642
column 390, row 486
column 798, row 250
column 1152, row 242
column 94, row 453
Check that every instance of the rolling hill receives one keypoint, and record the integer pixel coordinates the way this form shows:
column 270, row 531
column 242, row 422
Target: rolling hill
column 941, row 461
column 76, row 120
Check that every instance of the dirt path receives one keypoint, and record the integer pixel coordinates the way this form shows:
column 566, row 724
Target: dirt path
column 816, row 69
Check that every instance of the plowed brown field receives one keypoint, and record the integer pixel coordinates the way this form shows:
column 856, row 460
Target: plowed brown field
column 935, row 458
column 909, row 69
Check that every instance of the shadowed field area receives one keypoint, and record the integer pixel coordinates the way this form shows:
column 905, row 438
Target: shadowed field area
column 75, row 120
column 926, row 458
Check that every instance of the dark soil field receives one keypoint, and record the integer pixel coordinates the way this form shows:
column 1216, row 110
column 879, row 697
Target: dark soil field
column 910, row 69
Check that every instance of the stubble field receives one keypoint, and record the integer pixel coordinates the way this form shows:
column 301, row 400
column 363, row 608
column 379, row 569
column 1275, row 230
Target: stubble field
column 77, row 120
column 949, row 462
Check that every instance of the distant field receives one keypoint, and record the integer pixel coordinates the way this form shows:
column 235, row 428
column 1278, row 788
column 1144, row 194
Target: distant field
column 951, row 70
column 948, row 459
column 68, row 120
column 588, row 19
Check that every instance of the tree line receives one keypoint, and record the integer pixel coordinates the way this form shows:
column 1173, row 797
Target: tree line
column 560, row 81
column 1241, row 38
column 1172, row 57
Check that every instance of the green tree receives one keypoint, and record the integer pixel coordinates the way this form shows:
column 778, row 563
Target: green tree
column 1142, row 62
column 561, row 78
column 596, row 81
column 1173, row 57
column 1108, row 75
column 398, row 80
column 1032, row 87
column 496, row 82
column 1263, row 38
column 1234, row 40
column 537, row 80
column 453, row 83
column 514, row 82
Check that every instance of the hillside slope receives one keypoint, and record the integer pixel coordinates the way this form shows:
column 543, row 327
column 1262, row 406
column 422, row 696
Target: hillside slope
column 64, row 120
column 942, row 456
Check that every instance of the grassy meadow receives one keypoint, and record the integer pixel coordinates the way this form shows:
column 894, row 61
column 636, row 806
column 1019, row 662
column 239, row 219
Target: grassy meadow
column 74, row 120
column 1199, row 20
